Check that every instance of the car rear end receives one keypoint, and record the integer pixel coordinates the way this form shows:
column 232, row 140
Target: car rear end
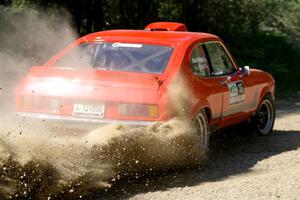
column 98, row 91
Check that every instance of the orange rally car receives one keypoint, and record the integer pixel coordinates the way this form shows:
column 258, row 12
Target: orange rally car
column 124, row 76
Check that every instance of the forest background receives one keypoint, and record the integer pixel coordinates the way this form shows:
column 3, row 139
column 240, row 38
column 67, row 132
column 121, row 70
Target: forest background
column 264, row 34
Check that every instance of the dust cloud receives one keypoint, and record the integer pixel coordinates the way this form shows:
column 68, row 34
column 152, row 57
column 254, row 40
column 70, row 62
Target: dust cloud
column 36, row 163
column 28, row 37
column 40, row 165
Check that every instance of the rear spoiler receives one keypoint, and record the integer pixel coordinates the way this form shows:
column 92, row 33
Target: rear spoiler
column 166, row 26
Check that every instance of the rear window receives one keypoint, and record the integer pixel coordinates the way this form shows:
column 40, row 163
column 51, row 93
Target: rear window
column 118, row 57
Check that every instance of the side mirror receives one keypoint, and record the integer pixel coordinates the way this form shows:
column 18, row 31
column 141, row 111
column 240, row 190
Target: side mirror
column 245, row 71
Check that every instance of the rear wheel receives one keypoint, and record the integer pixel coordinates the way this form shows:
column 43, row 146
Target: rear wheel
column 202, row 127
column 264, row 119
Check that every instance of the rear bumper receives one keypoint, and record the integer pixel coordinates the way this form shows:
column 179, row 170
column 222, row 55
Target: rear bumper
column 74, row 122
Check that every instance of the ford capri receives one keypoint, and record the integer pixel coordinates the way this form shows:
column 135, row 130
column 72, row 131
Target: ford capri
column 125, row 77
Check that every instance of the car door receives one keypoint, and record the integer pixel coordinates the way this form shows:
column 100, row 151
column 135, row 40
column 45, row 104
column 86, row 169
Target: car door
column 224, row 70
column 205, row 87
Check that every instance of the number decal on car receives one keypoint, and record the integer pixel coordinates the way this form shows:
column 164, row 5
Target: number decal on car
column 236, row 92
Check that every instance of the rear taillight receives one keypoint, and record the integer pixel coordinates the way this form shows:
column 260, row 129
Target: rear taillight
column 139, row 110
column 37, row 103
column 26, row 102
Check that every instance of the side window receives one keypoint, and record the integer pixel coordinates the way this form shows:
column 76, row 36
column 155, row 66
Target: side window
column 198, row 62
column 220, row 61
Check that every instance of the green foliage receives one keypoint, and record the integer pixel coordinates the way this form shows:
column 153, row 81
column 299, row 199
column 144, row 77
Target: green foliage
column 169, row 10
column 271, row 52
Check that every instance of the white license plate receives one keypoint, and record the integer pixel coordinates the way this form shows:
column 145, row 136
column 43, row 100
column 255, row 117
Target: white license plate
column 89, row 110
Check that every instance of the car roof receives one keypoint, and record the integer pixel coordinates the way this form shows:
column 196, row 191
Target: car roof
column 160, row 37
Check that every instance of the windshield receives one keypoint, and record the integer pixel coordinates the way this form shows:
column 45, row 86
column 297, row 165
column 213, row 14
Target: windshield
column 118, row 57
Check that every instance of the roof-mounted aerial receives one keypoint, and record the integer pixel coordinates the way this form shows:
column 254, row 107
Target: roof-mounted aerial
column 166, row 26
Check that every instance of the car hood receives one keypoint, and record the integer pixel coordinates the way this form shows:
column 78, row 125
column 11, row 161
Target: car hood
column 90, row 84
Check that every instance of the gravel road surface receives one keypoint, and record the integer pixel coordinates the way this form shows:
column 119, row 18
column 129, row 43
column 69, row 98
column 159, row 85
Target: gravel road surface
column 239, row 166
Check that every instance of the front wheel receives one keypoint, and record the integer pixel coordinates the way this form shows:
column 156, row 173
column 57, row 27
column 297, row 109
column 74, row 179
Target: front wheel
column 202, row 127
column 265, row 116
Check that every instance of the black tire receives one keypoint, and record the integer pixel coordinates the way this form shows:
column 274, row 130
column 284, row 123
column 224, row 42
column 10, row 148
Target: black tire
column 202, row 127
column 264, row 118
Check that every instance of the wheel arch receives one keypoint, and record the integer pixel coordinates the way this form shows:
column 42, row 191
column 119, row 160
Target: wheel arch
column 206, row 109
column 208, row 113
column 262, row 96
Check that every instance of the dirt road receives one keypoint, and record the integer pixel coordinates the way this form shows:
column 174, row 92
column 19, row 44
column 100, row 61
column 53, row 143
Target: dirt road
column 238, row 167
